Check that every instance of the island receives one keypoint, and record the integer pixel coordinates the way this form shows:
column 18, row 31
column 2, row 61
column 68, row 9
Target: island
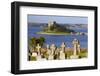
column 54, row 28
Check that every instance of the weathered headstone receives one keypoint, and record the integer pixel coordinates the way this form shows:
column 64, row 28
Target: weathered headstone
column 50, row 57
column 63, row 46
column 62, row 55
column 62, row 51
column 56, row 53
column 52, row 48
column 75, row 43
column 34, row 54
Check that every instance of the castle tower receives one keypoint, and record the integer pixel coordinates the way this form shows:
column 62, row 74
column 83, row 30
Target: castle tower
column 51, row 23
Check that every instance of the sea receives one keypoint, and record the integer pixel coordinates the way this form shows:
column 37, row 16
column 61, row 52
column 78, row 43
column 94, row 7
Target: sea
column 58, row 39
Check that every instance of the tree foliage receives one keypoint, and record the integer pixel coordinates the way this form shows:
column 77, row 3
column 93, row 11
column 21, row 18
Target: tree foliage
column 34, row 41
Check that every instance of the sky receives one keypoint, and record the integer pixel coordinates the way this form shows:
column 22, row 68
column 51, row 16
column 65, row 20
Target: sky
column 58, row 19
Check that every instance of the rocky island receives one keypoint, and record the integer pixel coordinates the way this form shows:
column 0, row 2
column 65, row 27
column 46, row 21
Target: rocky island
column 54, row 28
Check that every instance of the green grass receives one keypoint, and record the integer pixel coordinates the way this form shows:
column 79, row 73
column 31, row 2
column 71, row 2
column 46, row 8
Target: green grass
column 68, row 53
column 83, row 55
column 54, row 33
column 32, row 58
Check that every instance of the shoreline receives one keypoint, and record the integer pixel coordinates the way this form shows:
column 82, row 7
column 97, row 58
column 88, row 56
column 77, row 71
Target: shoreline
column 59, row 33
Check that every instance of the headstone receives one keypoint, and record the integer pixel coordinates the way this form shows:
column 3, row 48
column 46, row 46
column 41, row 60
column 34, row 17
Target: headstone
column 34, row 54
column 38, row 48
column 48, row 51
column 52, row 48
column 75, row 43
column 63, row 46
column 62, row 55
column 56, row 53
column 50, row 57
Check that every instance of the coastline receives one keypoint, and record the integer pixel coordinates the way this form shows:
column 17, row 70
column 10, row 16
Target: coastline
column 52, row 33
column 61, row 33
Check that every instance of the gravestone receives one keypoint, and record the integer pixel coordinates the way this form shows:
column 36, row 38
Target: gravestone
column 34, row 54
column 75, row 44
column 50, row 57
column 38, row 48
column 62, row 51
column 56, row 53
column 63, row 47
column 62, row 55
column 52, row 48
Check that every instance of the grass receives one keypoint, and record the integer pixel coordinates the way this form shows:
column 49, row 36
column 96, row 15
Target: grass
column 32, row 58
column 68, row 53
column 54, row 33
column 83, row 54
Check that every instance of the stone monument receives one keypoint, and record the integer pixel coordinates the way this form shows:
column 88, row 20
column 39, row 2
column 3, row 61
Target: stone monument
column 51, row 52
column 38, row 47
column 52, row 48
column 62, row 52
column 62, row 55
column 63, row 47
column 75, row 49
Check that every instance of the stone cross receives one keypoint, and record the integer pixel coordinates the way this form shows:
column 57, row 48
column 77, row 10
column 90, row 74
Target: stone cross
column 38, row 48
column 75, row 43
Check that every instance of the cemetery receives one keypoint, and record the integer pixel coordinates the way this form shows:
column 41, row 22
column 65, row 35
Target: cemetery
column 51, row 52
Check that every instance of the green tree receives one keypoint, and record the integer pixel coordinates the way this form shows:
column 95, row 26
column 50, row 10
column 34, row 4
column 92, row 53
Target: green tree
column 42, row 40
column 34, row 41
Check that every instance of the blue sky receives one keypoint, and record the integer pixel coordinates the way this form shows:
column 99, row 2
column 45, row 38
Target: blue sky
column 58, row 19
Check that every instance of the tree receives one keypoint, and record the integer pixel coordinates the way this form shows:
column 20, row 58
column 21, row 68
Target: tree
column 42, row 40
column 34, row 41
